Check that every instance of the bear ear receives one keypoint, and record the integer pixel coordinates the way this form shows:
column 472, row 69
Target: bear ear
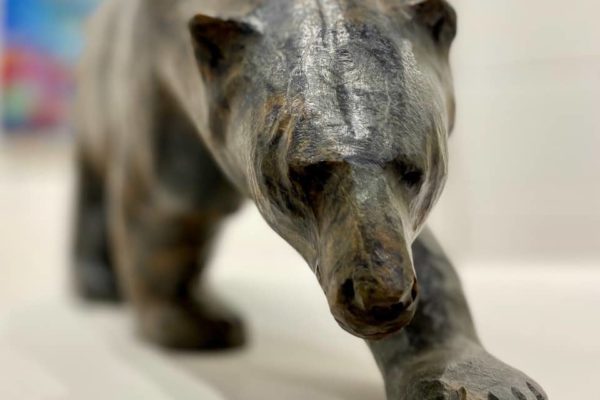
column 438, row 17
column 218, row 43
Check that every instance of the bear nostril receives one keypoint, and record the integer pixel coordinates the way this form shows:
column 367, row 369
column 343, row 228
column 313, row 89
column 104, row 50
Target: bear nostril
column 347, row 290
column 414, row 292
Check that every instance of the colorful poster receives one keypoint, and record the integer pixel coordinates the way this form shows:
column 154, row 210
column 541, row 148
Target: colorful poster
column 42, row 39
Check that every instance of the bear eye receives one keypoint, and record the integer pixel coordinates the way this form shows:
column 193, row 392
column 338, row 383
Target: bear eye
column 439, row 18
column 410, row 175
column 316, row 183
column 311, row 179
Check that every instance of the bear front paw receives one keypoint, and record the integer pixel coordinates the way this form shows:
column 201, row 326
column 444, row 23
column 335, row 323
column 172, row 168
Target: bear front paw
column 461, row 374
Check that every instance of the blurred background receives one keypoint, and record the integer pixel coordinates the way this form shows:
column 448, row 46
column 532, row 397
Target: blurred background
column 520, row 218
column 41, row 42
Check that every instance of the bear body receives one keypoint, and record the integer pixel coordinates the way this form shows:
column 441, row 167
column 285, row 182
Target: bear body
column 332, row 116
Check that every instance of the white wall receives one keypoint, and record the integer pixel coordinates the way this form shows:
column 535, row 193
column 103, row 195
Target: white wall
column 525, row 169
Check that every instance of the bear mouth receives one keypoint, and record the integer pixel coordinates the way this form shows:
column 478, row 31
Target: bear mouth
column 377, row 324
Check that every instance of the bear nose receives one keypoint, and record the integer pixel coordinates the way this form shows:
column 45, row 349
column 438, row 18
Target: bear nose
column 377, row 302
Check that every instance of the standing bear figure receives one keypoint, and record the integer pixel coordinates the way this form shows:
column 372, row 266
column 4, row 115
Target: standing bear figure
column 332, row 116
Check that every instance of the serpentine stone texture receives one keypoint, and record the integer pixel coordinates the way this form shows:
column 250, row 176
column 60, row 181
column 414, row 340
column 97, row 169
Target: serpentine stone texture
column 332, row 116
